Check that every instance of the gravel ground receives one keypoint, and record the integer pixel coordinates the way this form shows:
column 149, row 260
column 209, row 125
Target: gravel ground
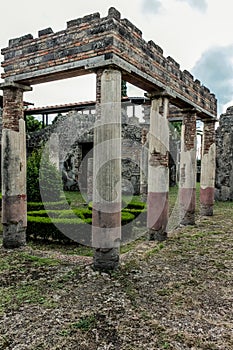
column 175, row 295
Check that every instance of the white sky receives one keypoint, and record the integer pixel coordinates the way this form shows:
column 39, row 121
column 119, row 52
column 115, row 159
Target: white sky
column 196, row 33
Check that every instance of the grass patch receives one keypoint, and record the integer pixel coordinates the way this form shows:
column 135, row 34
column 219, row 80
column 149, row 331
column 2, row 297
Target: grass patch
column 39, row 261
column 27, row 293
column 154, row 251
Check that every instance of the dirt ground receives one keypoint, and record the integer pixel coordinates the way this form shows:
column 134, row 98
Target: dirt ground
column 172, row 295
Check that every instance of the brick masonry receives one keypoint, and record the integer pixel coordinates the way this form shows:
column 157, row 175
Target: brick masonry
column 103, row 41
column 13, row 108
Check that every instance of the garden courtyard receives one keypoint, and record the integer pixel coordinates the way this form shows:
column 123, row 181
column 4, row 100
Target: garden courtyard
column 171, row 295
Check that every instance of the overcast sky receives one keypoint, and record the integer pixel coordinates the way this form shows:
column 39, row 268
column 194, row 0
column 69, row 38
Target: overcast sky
column 196, row 33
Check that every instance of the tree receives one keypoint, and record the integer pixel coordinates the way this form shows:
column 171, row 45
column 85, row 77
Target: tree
column 177, row 126
column 32, row 124
column 123, row 88
column 43, row 178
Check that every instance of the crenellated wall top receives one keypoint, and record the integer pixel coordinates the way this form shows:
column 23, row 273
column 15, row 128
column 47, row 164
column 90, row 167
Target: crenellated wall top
column 91, row 42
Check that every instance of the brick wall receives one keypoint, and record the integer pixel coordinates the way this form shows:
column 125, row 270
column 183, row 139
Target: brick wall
column 27, row 59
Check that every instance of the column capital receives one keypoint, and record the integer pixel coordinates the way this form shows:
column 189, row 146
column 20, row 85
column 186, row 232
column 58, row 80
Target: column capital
column 13, row 85
column 158, row 94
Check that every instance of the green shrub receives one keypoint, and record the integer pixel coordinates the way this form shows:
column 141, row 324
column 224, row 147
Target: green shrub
column 42, row 223
column 50, row 179
column 59, row 205
column 136, row 205
column 81, row 213
column 32, row 124
column 42, row 176
column 45, row 228
column 126, row 217
column 33, row 168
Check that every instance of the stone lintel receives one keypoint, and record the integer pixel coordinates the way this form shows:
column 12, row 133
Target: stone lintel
column 13, row 85
column 210, row 120
column 90, row 65
column 164, row 93
column 191, row 110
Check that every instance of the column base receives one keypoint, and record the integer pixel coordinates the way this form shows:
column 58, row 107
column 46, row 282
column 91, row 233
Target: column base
column 106, row 259
column 206, row 210
column 188, row 219
column 143, row 193
column 14, row 236
column 157, row 235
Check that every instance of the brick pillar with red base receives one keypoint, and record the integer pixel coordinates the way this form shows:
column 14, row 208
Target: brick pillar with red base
column 208, row 168
column 106, row 212
column 158, row 170
column 187, row 181
column 14, row 203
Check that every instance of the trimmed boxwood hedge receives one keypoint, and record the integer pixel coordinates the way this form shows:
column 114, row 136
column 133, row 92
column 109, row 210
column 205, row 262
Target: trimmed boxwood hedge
column 136, row 205
column 41, row 223
column 59, row 205
column 44, row 227
column 81, row 213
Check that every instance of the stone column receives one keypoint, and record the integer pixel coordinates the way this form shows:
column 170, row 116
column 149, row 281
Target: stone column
column 90, row 179
column 106, row 214
column 158, row 171
column 14, row 203
column 187, row 183
column 144, row 166
column 208, row 168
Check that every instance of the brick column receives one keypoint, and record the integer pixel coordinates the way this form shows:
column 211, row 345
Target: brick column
column 106, row 215
column 187, row 183
column 208, row 168
column 14, row 204
column 158, row 171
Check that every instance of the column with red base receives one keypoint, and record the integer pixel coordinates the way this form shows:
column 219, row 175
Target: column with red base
column 158, row 171
column 187, row 179
column 14, row 199
column 106, row 212
column 208, row 168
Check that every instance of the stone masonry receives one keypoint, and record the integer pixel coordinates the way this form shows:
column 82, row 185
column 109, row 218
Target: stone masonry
column 224, row 157
column 110, row 47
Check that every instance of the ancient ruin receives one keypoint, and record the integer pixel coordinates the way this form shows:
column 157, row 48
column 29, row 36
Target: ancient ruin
column 224, row 157
column 113, row 49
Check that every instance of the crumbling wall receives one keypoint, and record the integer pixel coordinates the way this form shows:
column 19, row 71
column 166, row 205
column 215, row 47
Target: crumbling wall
column 224, row 157
column 75, row 130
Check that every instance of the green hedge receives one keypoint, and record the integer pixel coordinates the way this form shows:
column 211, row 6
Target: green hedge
column 42, row 224
column 59, row 205
column 126, row 218
column 81, row 213
column 136, row 205
column 45, row 227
